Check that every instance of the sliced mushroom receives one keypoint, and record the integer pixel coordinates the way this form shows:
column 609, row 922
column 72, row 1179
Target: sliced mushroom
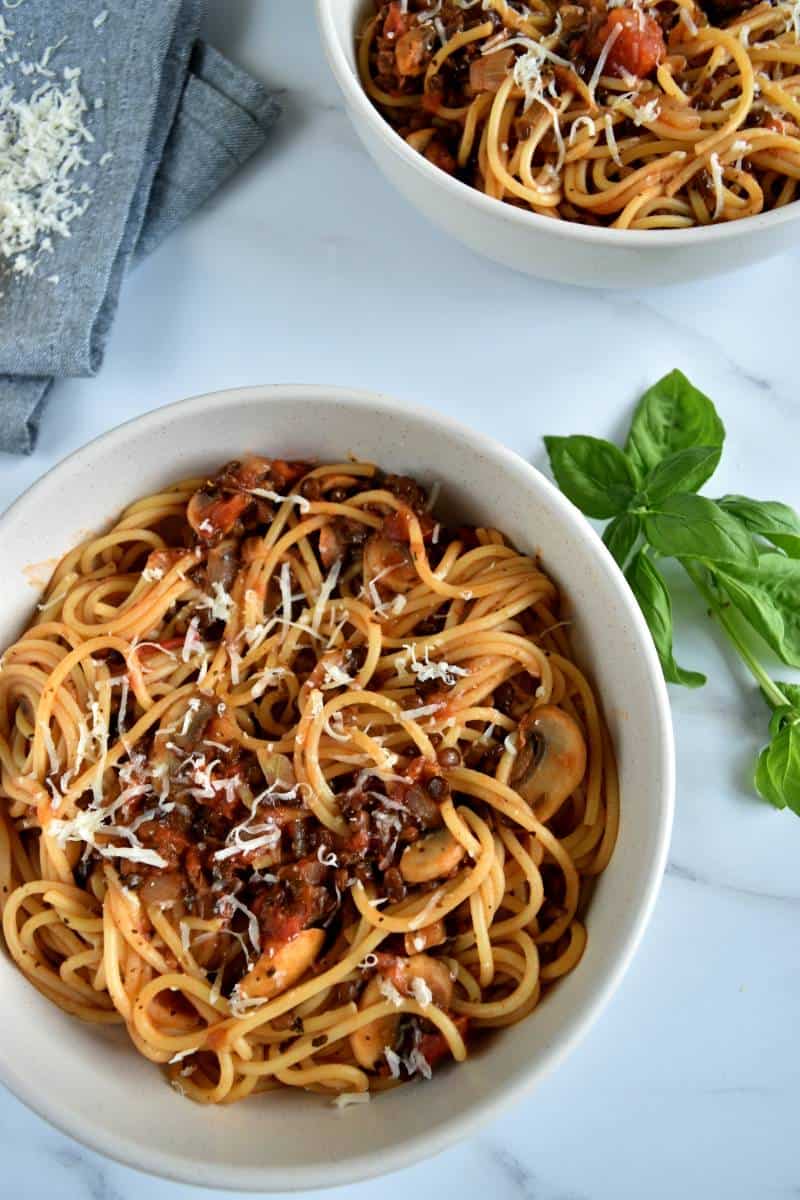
column 551, row 758
column 432, row 857
column 430, row 971
column 369, row 1042
column 282, row 963
column 421, row 978
column 425, row 939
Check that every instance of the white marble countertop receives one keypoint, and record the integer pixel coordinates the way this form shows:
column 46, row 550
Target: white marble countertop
column 310, row 268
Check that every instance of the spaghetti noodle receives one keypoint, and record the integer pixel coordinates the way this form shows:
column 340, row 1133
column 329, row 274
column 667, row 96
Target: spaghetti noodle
column 300, row 784
column 652, row 114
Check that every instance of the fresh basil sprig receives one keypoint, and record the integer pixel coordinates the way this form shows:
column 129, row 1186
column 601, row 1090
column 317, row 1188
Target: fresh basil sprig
column 742, row 555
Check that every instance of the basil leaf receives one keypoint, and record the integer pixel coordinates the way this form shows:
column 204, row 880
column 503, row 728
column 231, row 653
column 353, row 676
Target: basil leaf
column 776, row 522
column 671, row 416
column 593, row 473
column 777, row 776
column 690, row 526
column 768, row 597
column 621, row 535
column 650, row 590
column 684, row 471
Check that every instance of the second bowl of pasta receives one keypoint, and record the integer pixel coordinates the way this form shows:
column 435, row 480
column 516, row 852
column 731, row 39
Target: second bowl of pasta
column 598, row 144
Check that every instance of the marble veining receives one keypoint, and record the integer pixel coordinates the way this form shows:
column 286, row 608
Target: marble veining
column 681, row 872
column 311, row 267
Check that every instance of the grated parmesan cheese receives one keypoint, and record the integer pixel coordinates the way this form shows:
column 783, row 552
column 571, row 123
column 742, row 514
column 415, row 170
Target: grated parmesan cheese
column 426, row 670
column 715, row 168
column 325, row 593
column 240, row 1005
column 220, row 603
column 301, row 502
column 417, row 1063
column 421, row 992
column 42, row 137
column 601, row 59
column 608, row 121
column 392, row 1061
column 426, row 710
column 182, row 1054
column 335, row 676
column 192, row 707
column 390, row 992
column 253, row 931
column 327, row 857
column 86, row 824
column 578, row 124
column 268, row 676
column 347, row 1099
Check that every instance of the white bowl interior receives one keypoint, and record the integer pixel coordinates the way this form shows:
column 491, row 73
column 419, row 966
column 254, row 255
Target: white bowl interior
column 92, row 1083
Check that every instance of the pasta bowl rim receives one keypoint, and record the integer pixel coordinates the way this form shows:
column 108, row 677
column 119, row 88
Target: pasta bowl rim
column 162, row 1160
column 461, row 193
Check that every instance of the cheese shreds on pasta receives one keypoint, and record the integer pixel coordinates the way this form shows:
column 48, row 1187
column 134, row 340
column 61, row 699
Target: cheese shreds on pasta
column 617, row 114
column 278, row 783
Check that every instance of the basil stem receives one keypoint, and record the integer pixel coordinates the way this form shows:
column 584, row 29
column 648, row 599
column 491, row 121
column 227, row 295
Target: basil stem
column 728, row 622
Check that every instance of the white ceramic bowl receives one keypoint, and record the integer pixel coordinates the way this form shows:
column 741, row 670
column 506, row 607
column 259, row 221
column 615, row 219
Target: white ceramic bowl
column 92, row 1083
column 540, row 246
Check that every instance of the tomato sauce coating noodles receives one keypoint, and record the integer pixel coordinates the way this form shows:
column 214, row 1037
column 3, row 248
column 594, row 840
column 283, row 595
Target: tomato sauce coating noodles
column 646, row 114
column 299, row 783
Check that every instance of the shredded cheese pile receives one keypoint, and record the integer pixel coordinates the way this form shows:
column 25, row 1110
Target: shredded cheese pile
column 43, row 138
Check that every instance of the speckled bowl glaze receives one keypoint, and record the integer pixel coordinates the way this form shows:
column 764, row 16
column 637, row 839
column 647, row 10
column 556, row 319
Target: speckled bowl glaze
column 89, row 1081
column 559, row 250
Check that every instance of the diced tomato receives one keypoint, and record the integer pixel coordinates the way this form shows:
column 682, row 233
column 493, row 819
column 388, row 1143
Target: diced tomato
column 413, row 51
column 396, row 22
column 637, row 48
column 211, row 517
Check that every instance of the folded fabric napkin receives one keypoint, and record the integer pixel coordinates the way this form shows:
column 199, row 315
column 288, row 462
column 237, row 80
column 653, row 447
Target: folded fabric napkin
column 158, row 120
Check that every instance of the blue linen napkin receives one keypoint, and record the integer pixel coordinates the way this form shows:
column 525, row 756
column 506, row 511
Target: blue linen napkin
column 172, row 120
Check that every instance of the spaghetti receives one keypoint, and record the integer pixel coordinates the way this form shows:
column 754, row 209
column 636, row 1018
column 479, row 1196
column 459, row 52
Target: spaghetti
column 652, row 114
column 300, row 784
